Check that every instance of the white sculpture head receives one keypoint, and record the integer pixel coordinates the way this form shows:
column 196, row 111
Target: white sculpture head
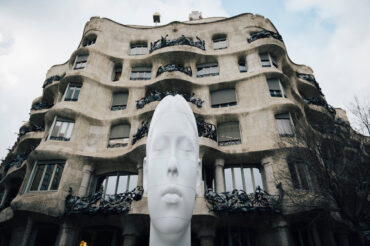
column 171, row 171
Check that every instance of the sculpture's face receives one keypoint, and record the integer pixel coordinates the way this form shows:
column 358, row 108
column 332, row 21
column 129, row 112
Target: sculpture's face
column 171, row 172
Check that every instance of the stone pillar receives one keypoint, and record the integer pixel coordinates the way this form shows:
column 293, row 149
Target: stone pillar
column 86, row 174
column 3, row 199
column 27, row 232
column 207, row 236
column 129, row 231
column 253, row 62
column 268, row 177
column 282, row 233
column 140, row 174
column 219, row 175
column 67, row 235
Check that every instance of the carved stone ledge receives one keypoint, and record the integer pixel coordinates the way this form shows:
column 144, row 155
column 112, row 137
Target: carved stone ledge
column 240, row 201
column 173, row 68
column 163, row 42
column 158, row 96
column 264, row 34
column 97, row 204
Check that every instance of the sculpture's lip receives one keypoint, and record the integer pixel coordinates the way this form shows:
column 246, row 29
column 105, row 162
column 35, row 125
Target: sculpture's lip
column 171, row 189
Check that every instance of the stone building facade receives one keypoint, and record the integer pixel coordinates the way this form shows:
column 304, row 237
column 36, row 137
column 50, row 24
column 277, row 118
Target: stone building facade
column 75, row 174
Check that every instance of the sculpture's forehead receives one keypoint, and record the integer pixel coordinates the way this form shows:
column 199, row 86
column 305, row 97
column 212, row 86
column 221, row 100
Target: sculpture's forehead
column 175, row 122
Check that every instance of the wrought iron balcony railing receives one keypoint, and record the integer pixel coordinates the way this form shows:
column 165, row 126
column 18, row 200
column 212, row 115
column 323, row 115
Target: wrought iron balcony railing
column 16, row 159
column 264, row 34
column 240, row 201
column 173, row 68
column 51, row 79
column 41, row 105
column 159, row 95
column 163, row 42
column 310, row 78
column 99, row 204
column 320, row 102
column 141, row 132
column 30, row 128
column 206, row 130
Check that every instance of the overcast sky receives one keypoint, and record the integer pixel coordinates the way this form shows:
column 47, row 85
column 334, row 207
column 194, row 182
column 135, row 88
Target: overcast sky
column 331, row 36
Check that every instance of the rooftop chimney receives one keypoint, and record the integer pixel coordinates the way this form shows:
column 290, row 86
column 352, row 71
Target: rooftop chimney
column 156, row 18
column 195, row 15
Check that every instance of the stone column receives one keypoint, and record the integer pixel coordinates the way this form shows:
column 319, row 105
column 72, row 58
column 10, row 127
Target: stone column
column 67, row 235
column 86, row 174
column 27, row 232
column 207, row 236
column 268, row 177
column 253, row 62
column 315, row 235
column 282, row 233
column 219, row 175
column 129, row 231
column 3, row 199
column 140, row 174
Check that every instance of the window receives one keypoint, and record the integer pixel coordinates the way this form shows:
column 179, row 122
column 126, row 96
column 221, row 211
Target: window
column 72, row 92
column 284, row 125
column 141, row 73
column 223, row 98
column 80, row 62
column 242, row 178
column 116, row 183
column 207, row 69
column 89, row 40
column 276, row 89
column 117, row 72
column 138, row 49
column 220, row 43
column 46, row 175
column 228, row 133
column 267, row 59
column 300, row 175
column 62, row 129
column 119, row 136
column 119, row 101
column 242, row 66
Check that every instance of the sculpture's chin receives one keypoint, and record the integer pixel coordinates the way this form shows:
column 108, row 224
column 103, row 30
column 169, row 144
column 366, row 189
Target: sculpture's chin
column 170, row 225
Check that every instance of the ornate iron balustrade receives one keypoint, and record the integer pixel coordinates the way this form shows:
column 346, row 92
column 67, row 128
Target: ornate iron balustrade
column 240, row 201
column 51, row 79
column 41, row 105
column 141, row 132
column 229, row 142
column 310, row 78
column 320, row 102
column 163, row 42
column 30, row 128
column 264, row 34
column 16, row 160
column 206, row 130
column 99, row 204
column 173, row 68
column 158, row 95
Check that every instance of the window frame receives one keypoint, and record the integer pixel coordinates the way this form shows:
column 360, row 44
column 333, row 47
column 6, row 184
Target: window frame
column 209, row 67
column 117, row 174
column 282, row 89
column 138, row 73
column 271, row 59
column 291, row 125
column 124, row 140
column 55, row 163
column 244, row 183
column 222, row 105
column 230, row 142
column 118, row 107
column 242, row 61
column 296, row 178
column 75, row 86
column 81, row 64
column 138, row 46
column 117, row 72
column 217, row 41
column 50, row 137
column 89, row 40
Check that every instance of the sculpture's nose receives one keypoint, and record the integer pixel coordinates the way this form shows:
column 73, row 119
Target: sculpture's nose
column 172, row 167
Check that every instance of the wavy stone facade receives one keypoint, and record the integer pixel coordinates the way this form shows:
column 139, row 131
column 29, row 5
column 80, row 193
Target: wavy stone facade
column 59, row 184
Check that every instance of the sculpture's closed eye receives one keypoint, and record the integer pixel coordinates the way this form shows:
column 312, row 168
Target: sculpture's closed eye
column 185, row 145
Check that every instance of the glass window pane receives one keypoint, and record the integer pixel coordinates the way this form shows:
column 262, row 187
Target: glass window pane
column 133, row 182
column 257, row 177
column 122, row 184
column 37, row 178
column 100, row 184
column 75, row 96
column 69, row 131
column 63, row 129
column 228, row 180
column 57, row 175
column 69, row 93
column 238, row 178
column 248, row 180
column 57, row 125
column 111, row 185
column 47, row 176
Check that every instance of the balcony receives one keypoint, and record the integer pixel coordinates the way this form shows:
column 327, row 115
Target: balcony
column 41, row 105
column 238, row 201
column 30, row 128
column 311, row 79
column 163, row 42
column 97, row 204
column 264, row 34
column 173, row 68
column 51, row 79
